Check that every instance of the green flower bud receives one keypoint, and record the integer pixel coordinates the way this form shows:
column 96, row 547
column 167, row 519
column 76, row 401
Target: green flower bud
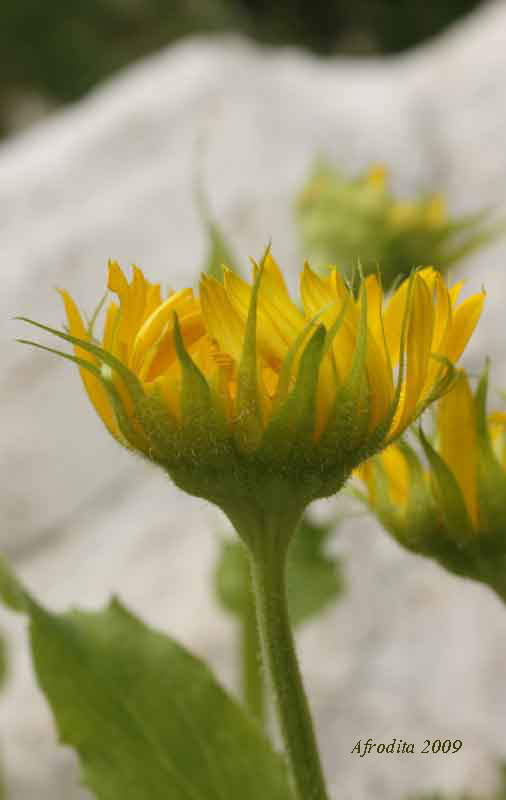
column 454, row 511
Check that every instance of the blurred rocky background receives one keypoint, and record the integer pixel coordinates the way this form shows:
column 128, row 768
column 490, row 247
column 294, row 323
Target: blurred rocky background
column 408, row 652
column 54, row 52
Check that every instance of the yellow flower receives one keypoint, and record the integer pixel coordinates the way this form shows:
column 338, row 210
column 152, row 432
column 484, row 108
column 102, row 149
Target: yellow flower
column 240, row 384
column 455, row 510
column 344, row 220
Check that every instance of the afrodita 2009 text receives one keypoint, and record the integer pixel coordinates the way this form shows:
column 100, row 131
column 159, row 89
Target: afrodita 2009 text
column 400, row 746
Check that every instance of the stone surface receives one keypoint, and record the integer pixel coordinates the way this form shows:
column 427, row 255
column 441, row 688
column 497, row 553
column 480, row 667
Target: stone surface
column 410, row 652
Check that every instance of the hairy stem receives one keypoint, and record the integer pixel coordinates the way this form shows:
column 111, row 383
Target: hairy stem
column 252, row 677
column 268, row 564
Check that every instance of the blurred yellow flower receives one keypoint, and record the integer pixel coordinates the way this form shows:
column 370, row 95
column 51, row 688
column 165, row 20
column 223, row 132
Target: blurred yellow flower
column 454, row 510
column 346, row 220
column 242, row 375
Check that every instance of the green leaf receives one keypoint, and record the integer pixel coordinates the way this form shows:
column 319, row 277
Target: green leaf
column 315, row 578
column 148, row 719
column 231, row 577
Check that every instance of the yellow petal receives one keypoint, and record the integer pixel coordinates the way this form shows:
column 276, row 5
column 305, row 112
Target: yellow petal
column 374, row 293
column 163, row 357
column 497, row 429
column 153, row 300
column 111, row 318
column 397, row 473
column 441, row 330
column 393, row 319
column 457, row 440
column 379, row 371
column 497, row 418
column 338, row 285
column 455, row 291
column 429, row 275
column 160, row 320
column 379, row 376
column 316, row 294
column 442, row 316
column 275, row 302
column 238, row 292
column 94, row 389
column 278, row 321
column 418, row 349
column 396, row 468
column 132, row 303
column 222, row 320
column 465, row 320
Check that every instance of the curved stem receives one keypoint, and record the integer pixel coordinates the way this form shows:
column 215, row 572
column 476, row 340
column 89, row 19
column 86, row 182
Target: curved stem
column 268, row 564
column 252, row 679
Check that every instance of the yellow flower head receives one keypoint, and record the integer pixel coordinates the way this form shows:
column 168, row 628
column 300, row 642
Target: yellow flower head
column 241, row 384
column 454, row 511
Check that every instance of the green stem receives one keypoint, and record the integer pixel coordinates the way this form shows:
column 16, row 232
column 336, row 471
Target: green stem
column 252, row 679
column 268, row 565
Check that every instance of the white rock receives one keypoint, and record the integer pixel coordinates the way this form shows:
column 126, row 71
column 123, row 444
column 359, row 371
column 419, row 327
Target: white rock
column 410, row 652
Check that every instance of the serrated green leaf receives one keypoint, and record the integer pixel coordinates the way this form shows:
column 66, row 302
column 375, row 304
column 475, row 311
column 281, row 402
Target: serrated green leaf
column 147, row 718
